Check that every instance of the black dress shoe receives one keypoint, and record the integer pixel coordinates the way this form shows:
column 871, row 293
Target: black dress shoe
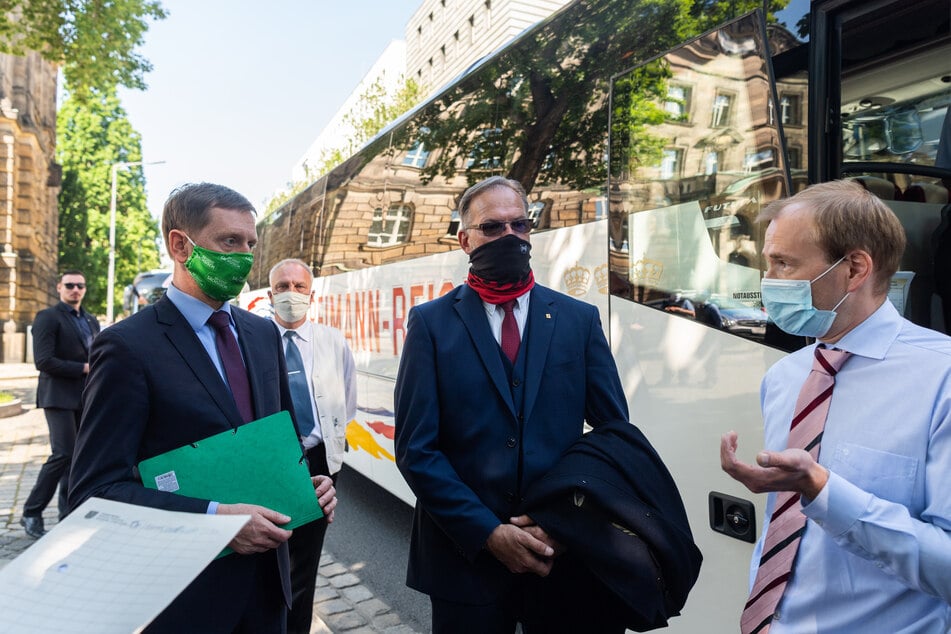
column 33, row 526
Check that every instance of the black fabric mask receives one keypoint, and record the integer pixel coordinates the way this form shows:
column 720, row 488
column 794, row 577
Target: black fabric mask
column 504, row 261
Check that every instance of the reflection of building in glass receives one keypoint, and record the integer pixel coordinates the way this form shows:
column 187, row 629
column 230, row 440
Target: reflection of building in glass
column 720, row 149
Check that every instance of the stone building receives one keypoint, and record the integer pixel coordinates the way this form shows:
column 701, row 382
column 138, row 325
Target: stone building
column 29, row 185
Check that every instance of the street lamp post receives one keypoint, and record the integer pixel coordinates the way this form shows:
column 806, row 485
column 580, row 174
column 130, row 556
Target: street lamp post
column 111, row 284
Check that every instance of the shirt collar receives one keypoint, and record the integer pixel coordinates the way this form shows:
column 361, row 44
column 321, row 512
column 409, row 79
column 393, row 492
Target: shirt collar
column 303, row 331
column 520, row 303
column 195, row 311
column 873, row 337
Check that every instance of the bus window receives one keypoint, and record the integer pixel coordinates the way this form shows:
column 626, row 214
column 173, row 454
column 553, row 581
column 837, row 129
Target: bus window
column 696, row 152
column 894, row 136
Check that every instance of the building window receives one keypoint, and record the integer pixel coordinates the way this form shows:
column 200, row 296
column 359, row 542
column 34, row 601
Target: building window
column 711, row 162
column 454, row 220
column 535, row 211
column 600, row 208
column 486, row 151
column 670, row 164
column 790, row 109
column 417, row 156
column 795, row 157
column 722, row 105
column 390, row 227
column 678, row 103
column 759, row 160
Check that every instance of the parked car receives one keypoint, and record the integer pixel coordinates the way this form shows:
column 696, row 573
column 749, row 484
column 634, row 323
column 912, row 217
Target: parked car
column 148, row 287
column 739, row 318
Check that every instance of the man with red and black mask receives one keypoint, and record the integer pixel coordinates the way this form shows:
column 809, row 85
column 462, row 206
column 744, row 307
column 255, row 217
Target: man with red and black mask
column 496, row 381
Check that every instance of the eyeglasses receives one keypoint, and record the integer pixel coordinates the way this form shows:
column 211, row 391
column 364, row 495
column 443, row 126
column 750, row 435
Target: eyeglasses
column 497, row 228
column 71, row 285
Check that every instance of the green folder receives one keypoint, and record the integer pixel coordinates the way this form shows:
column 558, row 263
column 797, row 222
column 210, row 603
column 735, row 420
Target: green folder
column 257, row 463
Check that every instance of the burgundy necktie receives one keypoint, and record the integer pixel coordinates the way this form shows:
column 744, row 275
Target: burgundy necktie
column 231, row 360
column 787, row 523
column 510, row 337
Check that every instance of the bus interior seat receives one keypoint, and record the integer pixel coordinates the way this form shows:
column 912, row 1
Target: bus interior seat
column 881, row 187
column 926, row 193
column 941, row 250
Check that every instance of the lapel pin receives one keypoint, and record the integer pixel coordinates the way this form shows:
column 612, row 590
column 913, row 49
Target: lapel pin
column 547, row 315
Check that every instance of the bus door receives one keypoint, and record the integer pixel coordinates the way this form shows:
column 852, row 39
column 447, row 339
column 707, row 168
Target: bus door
column 886, row 75
column 696, row 151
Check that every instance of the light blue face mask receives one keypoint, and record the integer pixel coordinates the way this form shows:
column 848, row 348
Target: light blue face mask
column 789, row 305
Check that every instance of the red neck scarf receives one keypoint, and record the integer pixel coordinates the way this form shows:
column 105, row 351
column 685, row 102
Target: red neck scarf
column 496, row 293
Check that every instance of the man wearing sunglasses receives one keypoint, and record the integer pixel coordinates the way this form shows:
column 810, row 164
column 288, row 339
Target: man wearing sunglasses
column 62, row 335
column 496, row 380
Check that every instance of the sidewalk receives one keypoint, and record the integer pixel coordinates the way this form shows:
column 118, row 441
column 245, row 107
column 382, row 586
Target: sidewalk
column 342, row 603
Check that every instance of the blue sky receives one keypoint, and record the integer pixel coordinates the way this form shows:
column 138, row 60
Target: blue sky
column 240, row 89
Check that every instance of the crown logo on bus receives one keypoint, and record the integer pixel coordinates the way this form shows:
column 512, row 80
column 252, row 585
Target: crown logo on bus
column 602, row 278
column 577, row 280
column 647, row 271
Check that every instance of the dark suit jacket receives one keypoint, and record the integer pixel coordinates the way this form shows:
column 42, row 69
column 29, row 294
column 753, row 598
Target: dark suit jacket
column 152, row 388
column 612, row 502
column 60, row 352
column 465, row 449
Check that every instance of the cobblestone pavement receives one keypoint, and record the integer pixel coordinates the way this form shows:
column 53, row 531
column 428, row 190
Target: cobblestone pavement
column 342, row 603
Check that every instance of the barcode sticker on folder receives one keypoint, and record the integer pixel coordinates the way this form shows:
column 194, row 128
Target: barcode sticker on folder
column 167, row 482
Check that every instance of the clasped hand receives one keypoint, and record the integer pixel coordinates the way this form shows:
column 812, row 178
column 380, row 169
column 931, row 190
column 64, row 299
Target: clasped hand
column 263, row 531
column 787, row 470
column 523, row 546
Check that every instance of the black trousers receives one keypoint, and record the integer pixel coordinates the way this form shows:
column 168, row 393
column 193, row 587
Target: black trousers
column 305, row 546
column 63, row 425
column 547, row 605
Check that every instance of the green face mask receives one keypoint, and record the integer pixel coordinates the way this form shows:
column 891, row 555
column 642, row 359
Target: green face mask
column 221, row 276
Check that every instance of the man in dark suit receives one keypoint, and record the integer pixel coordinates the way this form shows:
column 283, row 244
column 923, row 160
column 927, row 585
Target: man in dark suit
column 173, row 374
column 496, row 381
column 62, row 335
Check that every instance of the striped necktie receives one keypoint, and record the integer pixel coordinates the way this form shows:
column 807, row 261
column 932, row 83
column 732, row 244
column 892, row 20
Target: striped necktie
column 787, row 524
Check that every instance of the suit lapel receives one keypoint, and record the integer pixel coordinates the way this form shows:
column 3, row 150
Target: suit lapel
column 471, row 311
column 542, row 315
column 183, row 338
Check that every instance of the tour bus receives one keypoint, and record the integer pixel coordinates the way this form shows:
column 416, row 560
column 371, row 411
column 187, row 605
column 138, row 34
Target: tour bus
column 648, row 137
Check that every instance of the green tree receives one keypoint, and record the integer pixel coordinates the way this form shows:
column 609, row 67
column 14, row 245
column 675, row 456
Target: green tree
column 93, row 41
column 91, row 136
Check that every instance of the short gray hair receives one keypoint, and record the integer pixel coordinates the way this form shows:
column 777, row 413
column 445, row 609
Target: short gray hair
column 285, row 262
column 493, row 182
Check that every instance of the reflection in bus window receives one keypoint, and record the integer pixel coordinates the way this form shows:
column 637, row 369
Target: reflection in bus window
column 689, row 195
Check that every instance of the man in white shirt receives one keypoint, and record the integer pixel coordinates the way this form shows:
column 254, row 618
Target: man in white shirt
column 874, row 551
column 324, row 390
